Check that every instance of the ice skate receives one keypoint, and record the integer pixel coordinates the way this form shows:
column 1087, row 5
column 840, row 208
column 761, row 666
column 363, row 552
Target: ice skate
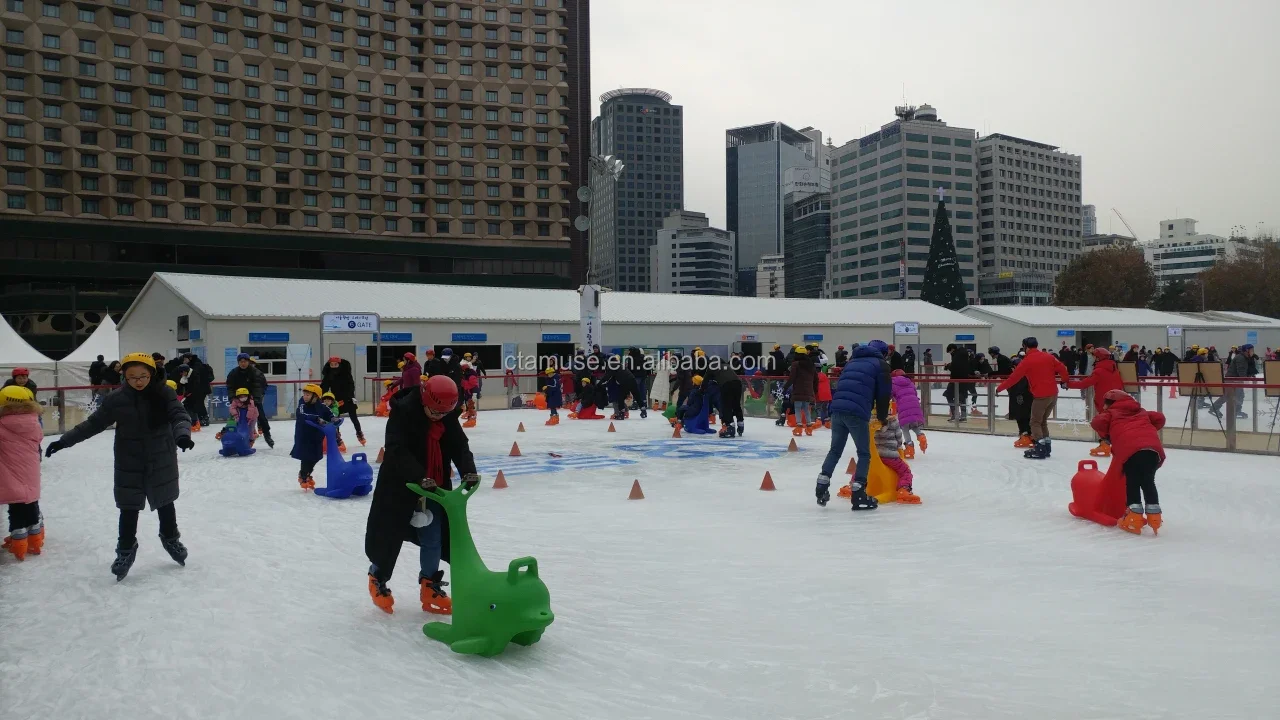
column 175, row 548
column 1024, row 441
column 826, row 424
column 976, row 412
column 797, row 431
column 470, row 423
column 909, row 452
column 360, row 438
column 1103, row 450
column 816, row 424
column 1039, row 451
column 741, row 429
column 124, row 561
column 906, row 497
column 727, row 431
column 306, row 483
column 218, row 436
column 381, row 595
column 267, row 436
column 434, row 599
column 1133, row 521
column 18, row 546
column 845, row 492
column 860, row 500
column 781, row 421
column 808, row 430
column 342, row 447
column 35, row 540
column 823, row 490
column 195, row 426
column 924, row 442
column 1154, row 519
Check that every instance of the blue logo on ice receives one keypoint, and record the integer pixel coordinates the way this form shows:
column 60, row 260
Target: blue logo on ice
column 532, row 465
column 689, row 449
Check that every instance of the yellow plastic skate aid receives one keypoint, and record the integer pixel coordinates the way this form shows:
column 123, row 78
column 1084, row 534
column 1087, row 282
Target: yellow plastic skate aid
column 882, row 483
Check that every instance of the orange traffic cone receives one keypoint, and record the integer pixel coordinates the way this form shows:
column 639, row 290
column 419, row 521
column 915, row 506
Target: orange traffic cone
column 515, row 450
column 500, row 482
column 382, row 453
column 636, row 492
column 611, row 428
column 853, row 466
column 1173, row 392
column 676, row 434
column 767, row 484
column 521, row 428
column 793, row 447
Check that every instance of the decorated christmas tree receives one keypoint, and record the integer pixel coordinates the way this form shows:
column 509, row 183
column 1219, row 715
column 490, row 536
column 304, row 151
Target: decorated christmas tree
column 942, row 283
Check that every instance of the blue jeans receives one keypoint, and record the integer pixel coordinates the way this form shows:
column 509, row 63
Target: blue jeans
column 842, row 426
column 429, row 545
column 805, row 410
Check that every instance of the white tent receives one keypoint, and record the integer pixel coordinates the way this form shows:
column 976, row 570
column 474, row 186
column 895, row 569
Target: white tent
column 15, row 352
column 105, row 341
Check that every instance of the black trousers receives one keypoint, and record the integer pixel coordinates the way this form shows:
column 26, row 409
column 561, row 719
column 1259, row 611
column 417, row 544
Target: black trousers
column 264, row 426
column 129, row 524
column 305, row 470
column 349, row 409
column 731, row 402
column 196, row 409
column 23, row 515
column 1140, row 477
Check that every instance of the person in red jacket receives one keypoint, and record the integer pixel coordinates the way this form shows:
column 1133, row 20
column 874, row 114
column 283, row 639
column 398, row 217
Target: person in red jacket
column 1104, row 378
column 1040, row 369
column 1134, row 435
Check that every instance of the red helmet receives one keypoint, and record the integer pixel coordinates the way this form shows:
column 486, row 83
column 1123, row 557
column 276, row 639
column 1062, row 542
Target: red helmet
column 439, row 393
column 1101, row 353
column 408, row 356
column 840, row 347
column 21, row 371
column 335, row 359
column 1114, row 395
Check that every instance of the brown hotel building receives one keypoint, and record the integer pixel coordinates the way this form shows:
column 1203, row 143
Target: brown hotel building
column 347, row 139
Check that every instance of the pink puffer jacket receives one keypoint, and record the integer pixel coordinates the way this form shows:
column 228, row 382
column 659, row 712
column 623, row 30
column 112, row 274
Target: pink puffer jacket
column 904, row 394
column 20, row 437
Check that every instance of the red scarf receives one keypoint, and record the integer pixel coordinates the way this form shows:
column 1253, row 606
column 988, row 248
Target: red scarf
column 435, row 456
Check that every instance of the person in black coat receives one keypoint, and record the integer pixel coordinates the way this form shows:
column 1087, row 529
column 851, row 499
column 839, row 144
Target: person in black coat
column 421, row 445
column 896, row 360
column 1001, row 367
column 95, row 371
column 22, row 378
column 247, row 375
column 624, row 385
column 960, row 369
column 728, row 402
column 778, row 364
column 640, row 369
column 199, row 386
column 336, row 377
column 842, row 356
column 150, row 426
column 909, row 361
column 111, row 375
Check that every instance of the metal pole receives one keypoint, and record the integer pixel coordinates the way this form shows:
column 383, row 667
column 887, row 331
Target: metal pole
column 926, row 399
column 74, row 335
column 991, row 409
column 1232, row 408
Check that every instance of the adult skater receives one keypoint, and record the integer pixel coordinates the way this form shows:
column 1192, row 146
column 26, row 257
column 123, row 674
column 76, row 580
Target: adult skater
column 864, row 386
column 802, row 378
column 336, row 377
column 411, row 371
column 424, row 437
column 199, row 387
column 842, row 356
column 727, row 401
column 1039, row 368
column 150, row 426
column 909, row 360
column 96, row 369
column 640, row 369
column 247, row 375
column 1001, row 366
column 957, row 392
column 1134, row 435
column 1238, row 368
column 624, row 386
column 778, row 362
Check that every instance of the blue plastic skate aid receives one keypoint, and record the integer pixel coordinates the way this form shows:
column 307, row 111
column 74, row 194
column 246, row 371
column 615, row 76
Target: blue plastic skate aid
column 344, row 478
column 237, row 442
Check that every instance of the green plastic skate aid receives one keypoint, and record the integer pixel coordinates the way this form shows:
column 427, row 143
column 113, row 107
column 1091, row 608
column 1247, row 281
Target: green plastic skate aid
column 490, row 609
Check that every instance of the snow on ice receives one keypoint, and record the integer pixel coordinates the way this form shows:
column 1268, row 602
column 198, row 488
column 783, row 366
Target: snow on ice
column 708, row 599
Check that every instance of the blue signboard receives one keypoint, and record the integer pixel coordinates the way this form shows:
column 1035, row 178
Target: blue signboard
column 218, row 402
column 470, row 337
column 1251, row 337
column 964, row 338
column 229, row 359
column 393, row 338
column 557, row 337
column 195, row 334
column 813, row 338
column 1066, row 333
column 268, row 337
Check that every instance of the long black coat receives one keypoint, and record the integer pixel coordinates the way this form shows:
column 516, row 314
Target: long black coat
column 148, row 423
column 200, row 381
column 250, row 377
column 339, row 381
column 406, row 462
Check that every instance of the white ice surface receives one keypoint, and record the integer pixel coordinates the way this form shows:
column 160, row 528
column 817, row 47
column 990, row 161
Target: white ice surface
column 708, row 599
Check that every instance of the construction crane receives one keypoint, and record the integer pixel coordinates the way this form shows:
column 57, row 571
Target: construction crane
column 1133, row 234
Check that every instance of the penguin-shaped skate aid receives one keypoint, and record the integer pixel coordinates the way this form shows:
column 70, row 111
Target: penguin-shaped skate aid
column 344, row 478
column 236, row 436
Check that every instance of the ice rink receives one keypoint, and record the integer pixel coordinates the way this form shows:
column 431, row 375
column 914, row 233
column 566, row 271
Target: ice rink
column 707, row 599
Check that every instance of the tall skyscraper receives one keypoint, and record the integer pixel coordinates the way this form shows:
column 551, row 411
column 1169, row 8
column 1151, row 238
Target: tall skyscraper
column 885, row 187
column 387, row 139
column 690, row 257
column 640, row 127
column 807, row 228
column 1090, row 220
column 1032, row 219
column 756, row 159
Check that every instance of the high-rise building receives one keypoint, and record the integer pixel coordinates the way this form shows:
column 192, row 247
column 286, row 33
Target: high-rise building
column 691, row 257
column 807, row 229
column 885, row 188
column 385, row 139
column 1181, row 253
column 771, row 276
column 1089, row 221
column 1032, row 219
column 756, row 160
column 641, row 128
column 1091, row 243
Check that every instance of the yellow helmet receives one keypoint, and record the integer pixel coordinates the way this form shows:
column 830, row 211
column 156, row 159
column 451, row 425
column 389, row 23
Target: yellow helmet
column 777, row 347
column 550, row 371
column 400, row 365
column 586, row 381
column 698, row 353
column 802, row 351
column 143, row 358
column 242, row 392
column 16, row 394
column 330, row 396
column 312, row 388
column 387, row 383
column 172, row 385
column 697, row 379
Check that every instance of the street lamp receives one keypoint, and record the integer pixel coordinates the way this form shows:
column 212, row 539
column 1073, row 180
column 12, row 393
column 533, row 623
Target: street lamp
column 602, row 167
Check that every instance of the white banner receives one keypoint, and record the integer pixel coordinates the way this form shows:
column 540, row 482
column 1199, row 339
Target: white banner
column 349, row 322
column 1175, row 332
column 906, row 328
column 589, row 315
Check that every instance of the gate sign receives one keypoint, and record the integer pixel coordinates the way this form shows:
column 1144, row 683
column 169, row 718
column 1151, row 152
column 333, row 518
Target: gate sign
column 813, row 338
column 964, row 338
column 1175, row 332
column 1066, row 333
column 349, row 322
column 906, row 328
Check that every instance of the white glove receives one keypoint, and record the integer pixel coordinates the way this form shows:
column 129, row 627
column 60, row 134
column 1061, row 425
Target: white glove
column 183, row 381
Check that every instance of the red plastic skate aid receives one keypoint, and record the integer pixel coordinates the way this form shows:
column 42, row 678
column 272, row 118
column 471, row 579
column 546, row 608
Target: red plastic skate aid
column 1098, row 497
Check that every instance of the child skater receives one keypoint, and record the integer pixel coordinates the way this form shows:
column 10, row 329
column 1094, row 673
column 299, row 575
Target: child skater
column 330, row 400
column 910, row 414
column 424, row 438
column 20, row 438
column 150, row 426
column 888, row 439
column 553, row 394
column 243, row 401
column 470, row 391
column 1134, row 435
column 308, row 441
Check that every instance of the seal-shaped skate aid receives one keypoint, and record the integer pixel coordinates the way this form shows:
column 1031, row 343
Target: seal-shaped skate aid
column 1098, row 497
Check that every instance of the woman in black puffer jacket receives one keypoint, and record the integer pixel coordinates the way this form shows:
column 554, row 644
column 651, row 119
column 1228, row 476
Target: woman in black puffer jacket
column 150, row 425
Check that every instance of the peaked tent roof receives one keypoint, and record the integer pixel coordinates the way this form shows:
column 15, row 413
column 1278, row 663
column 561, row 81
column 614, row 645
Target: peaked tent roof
column 104, row 341
column 15, row 351
column 223, row 297
column 1078, row 317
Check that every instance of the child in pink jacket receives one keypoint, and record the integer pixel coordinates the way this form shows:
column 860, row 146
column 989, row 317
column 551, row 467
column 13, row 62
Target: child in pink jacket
column 20, row 438
column 910, row 414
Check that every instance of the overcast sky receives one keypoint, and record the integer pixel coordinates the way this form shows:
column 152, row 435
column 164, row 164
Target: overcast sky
column 1173, row 105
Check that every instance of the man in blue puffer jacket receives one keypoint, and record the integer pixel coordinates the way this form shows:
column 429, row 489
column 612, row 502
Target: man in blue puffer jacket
column 864, row 385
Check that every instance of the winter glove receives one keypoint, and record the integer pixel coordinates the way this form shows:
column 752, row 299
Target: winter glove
column 427, row 484
column 54, row 447
column 341, row 403
column 470, row 480
column 185, row 442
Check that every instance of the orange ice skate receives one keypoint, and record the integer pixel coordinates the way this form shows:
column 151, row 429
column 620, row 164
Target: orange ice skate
column 906, row 497
column 18, row 547
column 381, row 595
column 1023, row 441
column 1132, row 522
column 434, row 599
